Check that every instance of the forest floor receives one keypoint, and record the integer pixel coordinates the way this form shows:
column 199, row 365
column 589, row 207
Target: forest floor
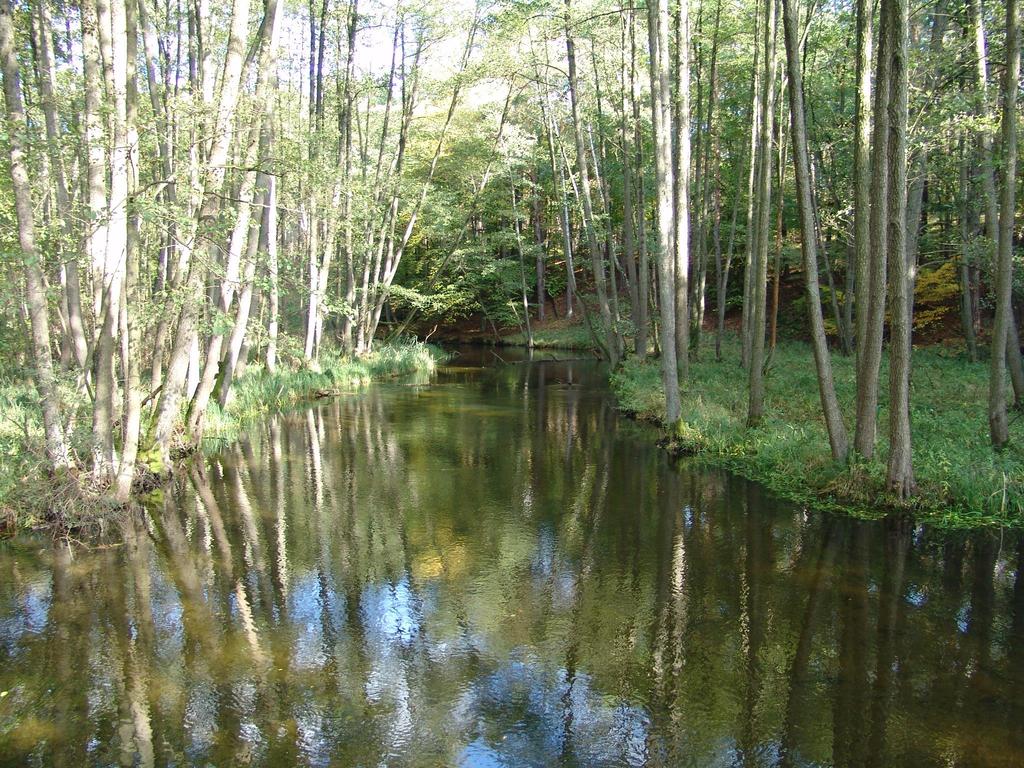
column 962, row 481
column 29, row 497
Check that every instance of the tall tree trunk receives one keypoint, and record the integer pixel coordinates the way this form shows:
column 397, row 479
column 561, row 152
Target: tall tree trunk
column 517, row 228
column 988, row 183
column 537, row 220
column 17, row 131
column 681, row 180
column 641, row 321
column 95, row 156
column 871, row 287
column 708, row 178
column 558, row 176
column 257, row 233
column 104, row 412
column 780, row 224
column 722, row 269
column 968, row 227
column 661, row 95
column 47, row 78
column 345, row 128
column 610, row 340
column 756, row 99
column 997, row 419
column 244, row 230
column 208, row 199
column 862, row 180
column 131, row 332
column 628, row 238
column 396, row 248
column 900, row 474
column 755, row 405
column 272, row 273
column 808, row 240
column 918, row 179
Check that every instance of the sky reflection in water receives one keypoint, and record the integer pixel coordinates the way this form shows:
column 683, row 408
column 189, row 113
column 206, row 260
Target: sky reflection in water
column 496, row 570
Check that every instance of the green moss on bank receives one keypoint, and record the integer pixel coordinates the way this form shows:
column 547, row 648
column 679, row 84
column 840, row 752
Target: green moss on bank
column 962, row 481
column 29, row 496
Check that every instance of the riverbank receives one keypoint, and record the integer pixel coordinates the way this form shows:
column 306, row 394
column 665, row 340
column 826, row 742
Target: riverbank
column 30, row 498
column 962, row 481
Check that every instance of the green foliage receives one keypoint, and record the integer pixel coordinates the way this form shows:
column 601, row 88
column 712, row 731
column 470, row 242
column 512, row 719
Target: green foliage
column 962, row 481
column 936, row 294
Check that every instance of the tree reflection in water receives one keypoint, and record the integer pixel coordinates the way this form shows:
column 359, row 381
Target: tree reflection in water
column 497, row 570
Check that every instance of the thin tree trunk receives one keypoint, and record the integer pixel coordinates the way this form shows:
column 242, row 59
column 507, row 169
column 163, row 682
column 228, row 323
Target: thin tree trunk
column 47, row 77
column 780, row 175
column 709, row 178
column 628, row 239
column 872, row 288
column 722, row 270
column 95, row 157
column 563, row 207
column 539, row 237
column 967, row 229
column 258, row 230
column 988, row 179
column 517, row 228
column 997, row 418
column 104, row 412
column 681, row 180
column 755, row 405
column 207, row 196
column 801, row 165
column 641, row 321
column 861, row 284
column 756, row 98
column 131, row 332
column 658, row 23
column 17, row 130
column 610, row 341
column 900, row 474
column 242, row 234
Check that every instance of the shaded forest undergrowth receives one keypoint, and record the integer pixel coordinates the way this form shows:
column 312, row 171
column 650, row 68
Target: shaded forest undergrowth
column 30, row 496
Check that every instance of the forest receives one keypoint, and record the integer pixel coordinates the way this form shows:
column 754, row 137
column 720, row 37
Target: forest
column 576, row 383
column 787, row 227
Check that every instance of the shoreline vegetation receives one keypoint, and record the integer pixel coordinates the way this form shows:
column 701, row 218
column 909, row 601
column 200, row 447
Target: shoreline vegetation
column 30, row 497
column 962, row 481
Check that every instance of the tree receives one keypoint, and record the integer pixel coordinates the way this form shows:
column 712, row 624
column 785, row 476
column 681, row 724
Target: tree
column 657, row 23
column 762, row 220
column 611, row 341
column 17, row 128
column 997, row 419
column 808, row 240
column 900, row 474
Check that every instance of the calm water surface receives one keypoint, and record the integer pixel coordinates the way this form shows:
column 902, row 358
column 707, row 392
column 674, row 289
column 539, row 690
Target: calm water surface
column 496, row 570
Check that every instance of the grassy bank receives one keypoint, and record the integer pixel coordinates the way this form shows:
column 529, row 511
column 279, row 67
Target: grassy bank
column 27, row 494
column 555, row 334
column 260, row 392
column 961, row 480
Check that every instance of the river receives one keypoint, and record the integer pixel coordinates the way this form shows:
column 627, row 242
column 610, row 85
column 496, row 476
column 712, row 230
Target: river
column 493, row 568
